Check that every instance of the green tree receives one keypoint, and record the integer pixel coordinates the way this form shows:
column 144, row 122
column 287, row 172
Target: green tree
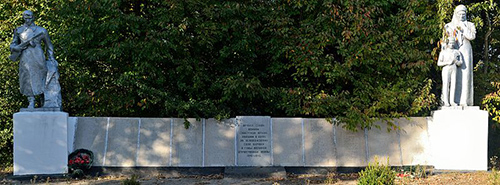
column 358, row 60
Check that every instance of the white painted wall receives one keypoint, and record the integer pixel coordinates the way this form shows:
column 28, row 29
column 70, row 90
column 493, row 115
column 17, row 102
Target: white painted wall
column 446, row 140
column 72, row 124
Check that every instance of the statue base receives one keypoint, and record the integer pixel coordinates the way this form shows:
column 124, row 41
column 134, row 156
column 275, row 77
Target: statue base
column 41, row 109
column 459, row 138
column 40, row 143
column 458, row 107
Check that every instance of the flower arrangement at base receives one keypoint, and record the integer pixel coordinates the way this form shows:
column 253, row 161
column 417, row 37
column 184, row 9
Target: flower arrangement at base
column 80, row 161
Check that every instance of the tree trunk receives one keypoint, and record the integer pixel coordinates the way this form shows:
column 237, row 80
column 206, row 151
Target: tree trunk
column 486, row 57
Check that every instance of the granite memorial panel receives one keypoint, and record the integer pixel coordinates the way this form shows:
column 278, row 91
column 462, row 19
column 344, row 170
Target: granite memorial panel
column 254, row 141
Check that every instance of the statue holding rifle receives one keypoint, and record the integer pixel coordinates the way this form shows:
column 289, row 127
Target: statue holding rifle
column 37, row 75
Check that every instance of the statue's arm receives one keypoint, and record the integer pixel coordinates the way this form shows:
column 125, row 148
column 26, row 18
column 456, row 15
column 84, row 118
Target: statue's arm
column 15, row 41
column 48, row 45
column 440, row 60
column 458, row 58
column 448, row 29
column 469, row 31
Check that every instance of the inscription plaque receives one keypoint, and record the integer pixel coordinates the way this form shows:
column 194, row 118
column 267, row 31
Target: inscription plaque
column 254, row 141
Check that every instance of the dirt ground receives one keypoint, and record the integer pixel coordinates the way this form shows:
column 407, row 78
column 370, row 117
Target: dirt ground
column 348, row 179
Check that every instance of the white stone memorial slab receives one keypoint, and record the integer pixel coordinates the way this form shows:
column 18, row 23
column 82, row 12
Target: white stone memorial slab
column 288, row 149
column 350, row 147
column 319, row 143
column 383, row 146
column 91, row 134
column 154, row 140
column 187, row 144
column 414, row 141
column 122, row 140
column 254, row 141
column 219, row 142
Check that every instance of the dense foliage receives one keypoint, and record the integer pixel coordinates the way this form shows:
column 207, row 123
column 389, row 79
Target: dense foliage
column 355, row 61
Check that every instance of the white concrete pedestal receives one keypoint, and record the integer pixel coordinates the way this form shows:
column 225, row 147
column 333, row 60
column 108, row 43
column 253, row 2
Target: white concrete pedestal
column 459, row 139
column 40, row 143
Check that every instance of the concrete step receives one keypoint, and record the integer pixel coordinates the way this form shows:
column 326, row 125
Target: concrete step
column 274, row 172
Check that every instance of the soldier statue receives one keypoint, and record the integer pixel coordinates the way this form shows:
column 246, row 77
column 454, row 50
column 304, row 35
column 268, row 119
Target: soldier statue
column 36, row 74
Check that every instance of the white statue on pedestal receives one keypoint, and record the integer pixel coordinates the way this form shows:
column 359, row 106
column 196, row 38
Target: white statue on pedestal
column 450, row 58
column 463, row 31
column 38, row 74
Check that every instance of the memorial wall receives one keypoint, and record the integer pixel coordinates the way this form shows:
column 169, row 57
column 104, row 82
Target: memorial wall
column 245, row 141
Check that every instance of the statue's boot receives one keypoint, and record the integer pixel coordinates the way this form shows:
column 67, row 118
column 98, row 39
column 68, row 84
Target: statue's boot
column 31, row 100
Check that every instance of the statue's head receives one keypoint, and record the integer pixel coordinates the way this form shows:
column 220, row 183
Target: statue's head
column 28, row 17
column 460, row 13
column 451, row 42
